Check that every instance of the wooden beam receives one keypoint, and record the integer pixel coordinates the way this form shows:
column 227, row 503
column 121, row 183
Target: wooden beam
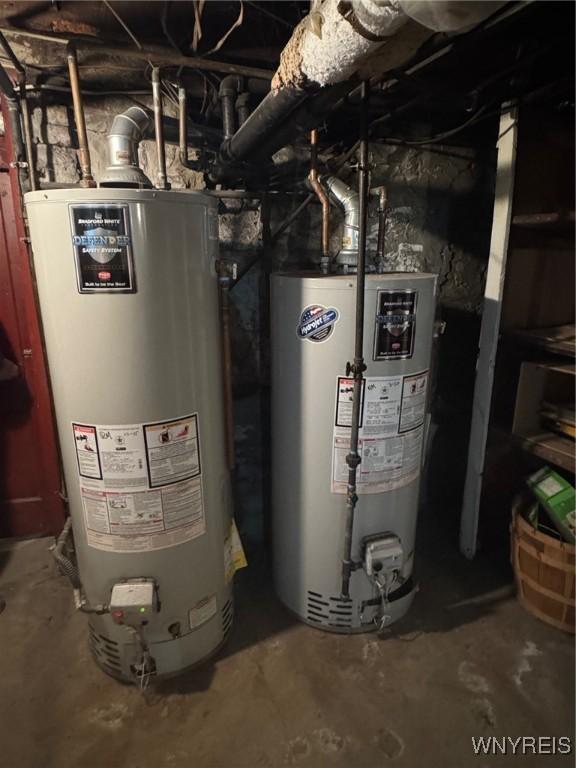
column 490, row 331
column 156, row 54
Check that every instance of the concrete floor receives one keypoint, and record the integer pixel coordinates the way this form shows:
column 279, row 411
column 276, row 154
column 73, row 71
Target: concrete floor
column 468, row 661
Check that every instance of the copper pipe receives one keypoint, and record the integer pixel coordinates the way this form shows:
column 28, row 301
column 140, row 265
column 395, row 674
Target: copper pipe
column 323, row 197
column 87, row 179
column 227, row 370
column 182, row 126
column 159, row 129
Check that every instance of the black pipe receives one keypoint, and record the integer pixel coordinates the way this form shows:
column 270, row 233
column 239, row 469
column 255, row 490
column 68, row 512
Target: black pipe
column 272, row 125
column 7, row 88
column 13, row 58
column 230, row 87
column 22, row 146
column 27, row 127
column 14, row 118
column 243, row 107
column 380, row 258
column 358, row 367
column 199, row 136
column 274, row 109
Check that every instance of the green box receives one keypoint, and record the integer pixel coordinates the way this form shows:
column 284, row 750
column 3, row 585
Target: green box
column 558, row 498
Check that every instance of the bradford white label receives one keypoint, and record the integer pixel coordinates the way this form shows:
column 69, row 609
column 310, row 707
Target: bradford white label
column 102, row 248
column 395, row 325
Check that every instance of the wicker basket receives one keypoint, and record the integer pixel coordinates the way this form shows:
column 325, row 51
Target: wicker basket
column 544, row 571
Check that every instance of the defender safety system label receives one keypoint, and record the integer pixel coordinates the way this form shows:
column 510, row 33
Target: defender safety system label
column 102, row 248
column 140, row 484
column 391, row 432
column 317, row 322
column 395, row 325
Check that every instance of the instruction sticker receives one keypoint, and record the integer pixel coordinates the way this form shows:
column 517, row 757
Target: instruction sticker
column 414, row 398
column 390, row 438
column 102, row 248
column 203, row 612
column 135, row 496
column 395, row 325
column 317, row 322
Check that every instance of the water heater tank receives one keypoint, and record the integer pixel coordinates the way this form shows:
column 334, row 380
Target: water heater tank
column 128, row 299
column 312, row 337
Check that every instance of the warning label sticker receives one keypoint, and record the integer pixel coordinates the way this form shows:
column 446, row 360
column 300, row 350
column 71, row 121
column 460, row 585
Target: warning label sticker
column 344, row 399
column 413, row 401
column 172, row 450
column 87, row 451
column 144, row 521
column 390, row 438
column 140, row 484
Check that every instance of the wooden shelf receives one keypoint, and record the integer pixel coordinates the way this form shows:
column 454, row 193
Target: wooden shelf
column 556, row 220
column 551, row 447
column 559, row 340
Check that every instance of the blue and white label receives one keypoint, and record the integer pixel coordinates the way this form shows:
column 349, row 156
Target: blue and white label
column 317, row 322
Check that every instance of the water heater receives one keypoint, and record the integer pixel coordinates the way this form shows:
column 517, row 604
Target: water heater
column 128, row 298
column 312, row 338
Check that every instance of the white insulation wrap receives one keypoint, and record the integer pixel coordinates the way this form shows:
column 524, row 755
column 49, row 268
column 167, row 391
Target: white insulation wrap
column 333, row 56
column 332, row 48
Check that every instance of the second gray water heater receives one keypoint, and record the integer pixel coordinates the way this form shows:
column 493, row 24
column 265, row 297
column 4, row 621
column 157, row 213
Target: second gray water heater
column 312, row 338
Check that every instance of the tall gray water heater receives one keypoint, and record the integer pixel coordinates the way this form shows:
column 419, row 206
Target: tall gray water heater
column 312, row 338
column 128, row 297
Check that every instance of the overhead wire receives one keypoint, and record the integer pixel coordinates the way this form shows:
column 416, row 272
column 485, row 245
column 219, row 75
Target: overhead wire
column 125, row 27
column 260, row 7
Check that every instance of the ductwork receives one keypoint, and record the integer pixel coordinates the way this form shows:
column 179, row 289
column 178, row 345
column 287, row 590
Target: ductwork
column 347, row 198
column 127, row 131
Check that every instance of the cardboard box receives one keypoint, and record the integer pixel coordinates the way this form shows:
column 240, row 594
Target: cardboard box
column 558, row 498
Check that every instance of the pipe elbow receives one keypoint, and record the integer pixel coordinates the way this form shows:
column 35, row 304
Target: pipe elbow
column 231, row 85
column 130, row 125
column 347, row 199
column 344, row 196
column 126, row 132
